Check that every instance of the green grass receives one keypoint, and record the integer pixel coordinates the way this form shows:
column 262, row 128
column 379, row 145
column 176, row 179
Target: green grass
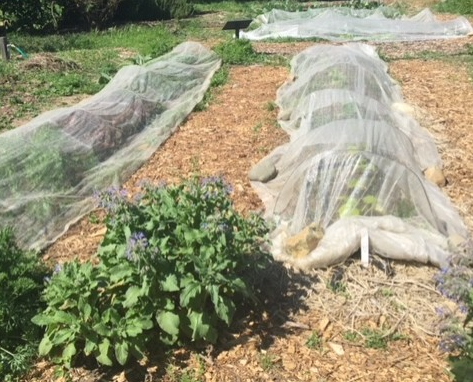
column 268, row 362
column 143, row 39
column 461, row 7
column 219, row 79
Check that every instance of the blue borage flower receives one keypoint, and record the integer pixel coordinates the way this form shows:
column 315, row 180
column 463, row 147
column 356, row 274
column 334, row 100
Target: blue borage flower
column 441, row 312
column 143, row 183
column 455, row 282
column 223, row 227
column 453, row 342
column 57, row 269
column 211, row 180
column 112, row 199
column 216, row 180
column 137, row 242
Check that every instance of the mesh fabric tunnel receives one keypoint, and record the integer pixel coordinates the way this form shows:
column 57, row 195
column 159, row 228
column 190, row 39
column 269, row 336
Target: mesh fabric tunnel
column 354, row 163
column 345, row 24
column 50, row 167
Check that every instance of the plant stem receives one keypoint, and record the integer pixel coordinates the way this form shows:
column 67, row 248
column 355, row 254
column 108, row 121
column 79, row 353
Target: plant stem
column 6, row 351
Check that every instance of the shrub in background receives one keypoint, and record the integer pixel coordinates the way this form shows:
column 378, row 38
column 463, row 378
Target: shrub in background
column 32, row 15
column 50, row 16
column 174, row 266
column 21, row 284
column 96, row 13
column 140, row 10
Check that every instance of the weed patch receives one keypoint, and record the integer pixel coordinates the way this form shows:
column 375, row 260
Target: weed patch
column 21, row 283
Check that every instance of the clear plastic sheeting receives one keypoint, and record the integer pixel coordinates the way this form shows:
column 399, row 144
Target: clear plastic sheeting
column 50, row 167
column 355, row 162
column 346, row 24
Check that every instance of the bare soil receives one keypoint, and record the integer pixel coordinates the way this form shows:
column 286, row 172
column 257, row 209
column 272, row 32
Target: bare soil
column 238, row 129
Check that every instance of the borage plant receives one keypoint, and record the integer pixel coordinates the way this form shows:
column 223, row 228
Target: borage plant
column 174, row 264
column 456, row 283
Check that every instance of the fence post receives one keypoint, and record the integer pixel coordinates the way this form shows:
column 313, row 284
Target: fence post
column 4, row 53
column 3, row 48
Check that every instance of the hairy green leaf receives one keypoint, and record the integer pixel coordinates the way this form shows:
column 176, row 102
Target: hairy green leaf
column 201, row 327
column 191, row 295
column 170, row 283
column 45, row 346
column 225, row 309
column 131, row 297
column 169, row 322
column 68, row 353
column 104, row 353
column 121, row 352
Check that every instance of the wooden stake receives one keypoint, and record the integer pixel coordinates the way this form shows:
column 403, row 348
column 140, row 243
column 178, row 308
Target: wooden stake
column 3, row 49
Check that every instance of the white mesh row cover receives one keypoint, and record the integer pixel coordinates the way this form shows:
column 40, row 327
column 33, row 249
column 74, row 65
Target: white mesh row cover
column 354, row 161
column 50, row 167
column 345, row 24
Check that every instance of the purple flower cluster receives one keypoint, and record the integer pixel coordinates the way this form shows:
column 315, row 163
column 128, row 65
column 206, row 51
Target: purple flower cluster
column 112, row 199
column 455, row 283
column 453, row 342
column 57, row 269
column 216, row 181
column 137, row 243
column 211, row 180
column 223, row 227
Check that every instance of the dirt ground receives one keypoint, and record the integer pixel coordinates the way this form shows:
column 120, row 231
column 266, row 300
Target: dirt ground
column 238, row 129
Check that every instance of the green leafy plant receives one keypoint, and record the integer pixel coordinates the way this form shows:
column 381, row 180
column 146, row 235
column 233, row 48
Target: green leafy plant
column 219, row 79
column 173, row 266
column 351, row 336
column 271, row 106
column 379, row 338
column 363, row 4
column 21, row 284
column 236, row 52
column 374, row 339
column 314, row 341
column 141, row 60
column 268, row 361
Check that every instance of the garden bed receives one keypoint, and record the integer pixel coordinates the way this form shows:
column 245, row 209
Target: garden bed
column 235, row 132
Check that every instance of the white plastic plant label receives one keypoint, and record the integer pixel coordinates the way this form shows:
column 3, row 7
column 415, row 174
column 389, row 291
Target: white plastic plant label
column 365, row 249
